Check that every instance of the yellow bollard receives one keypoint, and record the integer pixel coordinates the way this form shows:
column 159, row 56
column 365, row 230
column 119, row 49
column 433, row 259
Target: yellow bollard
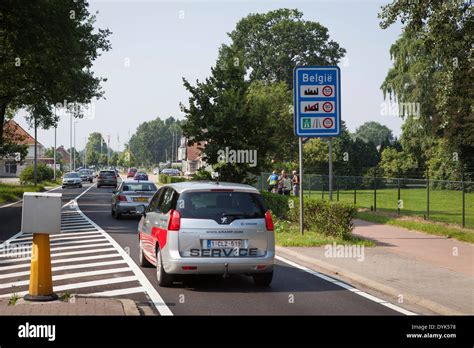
column 41, row 279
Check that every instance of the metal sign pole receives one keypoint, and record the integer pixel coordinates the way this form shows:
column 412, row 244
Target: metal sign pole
column 330, row 168
column 300, row 155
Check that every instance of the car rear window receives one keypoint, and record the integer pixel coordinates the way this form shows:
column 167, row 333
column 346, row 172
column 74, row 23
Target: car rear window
column 107, row 172
column 213, row 205
column 139, row 187
column 71, row 175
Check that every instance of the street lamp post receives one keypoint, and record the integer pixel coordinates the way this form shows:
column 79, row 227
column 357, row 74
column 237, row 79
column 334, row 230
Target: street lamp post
column 70, row 143
column 74, row 150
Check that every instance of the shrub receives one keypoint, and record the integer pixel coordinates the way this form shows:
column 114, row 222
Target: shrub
column 43, row 173
column 167, row 179
column 331, row 219
column 202, row 174
column 278, row 204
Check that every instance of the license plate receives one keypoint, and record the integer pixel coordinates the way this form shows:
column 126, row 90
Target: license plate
column 140, row 199
column 226, row 243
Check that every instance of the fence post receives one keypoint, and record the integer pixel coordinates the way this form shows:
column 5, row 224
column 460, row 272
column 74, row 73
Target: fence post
column 375, row 189
column 309, row 180
column 463, row 202
column 322, row 186
column 427, row 195
column 398, row 201
column 355, row 190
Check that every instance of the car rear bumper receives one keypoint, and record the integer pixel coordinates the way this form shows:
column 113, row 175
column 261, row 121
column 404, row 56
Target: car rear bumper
column 209, row 265
column 129, row 208
column 107, row 182
column 71, row 183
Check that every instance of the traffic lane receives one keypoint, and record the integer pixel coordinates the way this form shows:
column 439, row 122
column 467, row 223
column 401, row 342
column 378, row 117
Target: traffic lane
column 10, row 217
column 292, row 292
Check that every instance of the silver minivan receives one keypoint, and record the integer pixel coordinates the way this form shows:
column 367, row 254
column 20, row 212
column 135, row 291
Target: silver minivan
column 207, row 228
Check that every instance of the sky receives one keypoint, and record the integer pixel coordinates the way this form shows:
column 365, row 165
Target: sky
column 155, row 43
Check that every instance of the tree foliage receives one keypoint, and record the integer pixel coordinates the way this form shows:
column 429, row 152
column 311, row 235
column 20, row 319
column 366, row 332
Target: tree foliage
column 433, row 67
column 153, row 141
column 375, row 133
column 273, row 43
column 47, row 51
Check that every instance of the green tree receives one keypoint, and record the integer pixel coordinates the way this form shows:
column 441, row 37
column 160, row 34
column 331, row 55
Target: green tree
column 153, row 141
column 95, row 148
column 113, row 161
column 433, row 69
column 273, row 43
column 47, row 52
column 396, row 163
column 374, row 132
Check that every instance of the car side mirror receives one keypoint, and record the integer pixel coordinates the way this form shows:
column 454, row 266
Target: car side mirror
column 141, row 210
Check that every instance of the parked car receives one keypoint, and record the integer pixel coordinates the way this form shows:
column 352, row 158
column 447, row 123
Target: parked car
column 171, row 172
column 207, row 228
column 141, row 176
column 71, row 179
column 131, row 194
column 131, row 172
column 107, row 178
column 86, row 175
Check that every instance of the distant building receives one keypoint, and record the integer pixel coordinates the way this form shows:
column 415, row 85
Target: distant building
column 191, row 157
column 11, row 167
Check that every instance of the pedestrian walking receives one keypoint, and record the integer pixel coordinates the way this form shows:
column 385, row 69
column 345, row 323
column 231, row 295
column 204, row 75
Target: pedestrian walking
column 285, row 183
column 272, row 181
column 295, row 180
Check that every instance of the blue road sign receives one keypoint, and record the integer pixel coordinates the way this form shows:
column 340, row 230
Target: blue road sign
column 317, row 101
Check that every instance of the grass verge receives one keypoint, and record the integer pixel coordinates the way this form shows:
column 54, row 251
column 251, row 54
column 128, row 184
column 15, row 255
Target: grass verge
column 288, row 234
column 11, row 193
column 438, row 229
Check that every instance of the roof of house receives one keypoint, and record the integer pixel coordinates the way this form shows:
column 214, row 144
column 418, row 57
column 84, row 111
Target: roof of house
column 193, row 153
column 21, row 135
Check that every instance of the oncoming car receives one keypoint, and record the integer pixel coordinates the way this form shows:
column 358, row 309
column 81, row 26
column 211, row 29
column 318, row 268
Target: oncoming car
column 131, row 194
column 207, row 228
column 72, row 179
column 86, row 175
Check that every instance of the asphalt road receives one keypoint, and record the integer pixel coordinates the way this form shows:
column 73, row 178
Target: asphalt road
column 95, row 263
column 292, row 292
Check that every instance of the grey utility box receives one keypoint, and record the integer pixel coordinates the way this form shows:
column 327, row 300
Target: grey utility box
column 41, row 213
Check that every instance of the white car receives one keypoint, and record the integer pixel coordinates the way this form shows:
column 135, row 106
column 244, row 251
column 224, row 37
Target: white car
column 72, row 179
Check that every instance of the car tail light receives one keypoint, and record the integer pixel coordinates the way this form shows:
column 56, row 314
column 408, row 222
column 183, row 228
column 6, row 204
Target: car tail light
column 122, row 198
column 175, row 221
column 269, row 221
column 189, row 268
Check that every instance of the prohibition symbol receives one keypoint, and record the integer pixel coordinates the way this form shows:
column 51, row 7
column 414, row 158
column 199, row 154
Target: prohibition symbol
column 327, row 91
column 327, row 107
column 328, row 123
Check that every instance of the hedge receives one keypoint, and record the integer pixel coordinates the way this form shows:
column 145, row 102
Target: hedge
column 43, row 173
column 167, row 179
column 331, row 219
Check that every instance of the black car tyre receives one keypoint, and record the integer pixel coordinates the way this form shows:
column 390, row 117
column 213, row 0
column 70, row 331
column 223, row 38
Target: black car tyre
column 263, row 279
column 164, row 279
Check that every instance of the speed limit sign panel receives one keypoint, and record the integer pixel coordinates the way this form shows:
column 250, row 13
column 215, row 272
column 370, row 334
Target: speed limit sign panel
column 317, row 101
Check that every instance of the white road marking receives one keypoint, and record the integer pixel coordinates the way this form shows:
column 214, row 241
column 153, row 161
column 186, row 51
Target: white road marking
column 83, row 285
column 70, row 276
column 63, row 268
column 155, row 297
column 74, row 201
column 58, row 254
column 69, row 260
column 346, row 286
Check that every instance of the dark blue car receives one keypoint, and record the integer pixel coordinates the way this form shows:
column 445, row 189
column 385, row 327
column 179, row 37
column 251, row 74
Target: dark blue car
column 141, row 176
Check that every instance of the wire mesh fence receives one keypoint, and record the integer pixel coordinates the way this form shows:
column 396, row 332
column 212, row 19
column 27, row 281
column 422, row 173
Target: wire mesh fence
column 437, row 200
